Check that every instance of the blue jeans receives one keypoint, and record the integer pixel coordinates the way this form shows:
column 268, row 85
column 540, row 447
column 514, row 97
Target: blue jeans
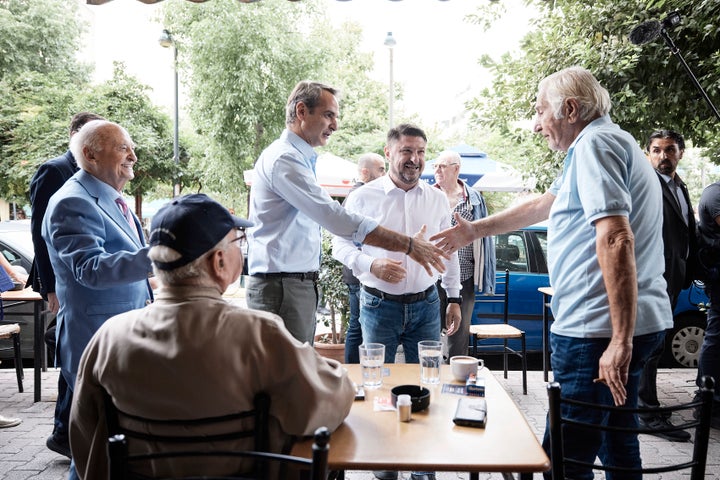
column 710, row 352
column 353, row 335
column 394, row 323
column 575, row 365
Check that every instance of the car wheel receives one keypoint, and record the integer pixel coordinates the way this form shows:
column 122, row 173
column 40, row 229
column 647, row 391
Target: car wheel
column 683, row 342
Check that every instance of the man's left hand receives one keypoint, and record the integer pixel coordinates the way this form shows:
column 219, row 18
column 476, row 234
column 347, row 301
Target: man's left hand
column 453, row 317
column 613, row 369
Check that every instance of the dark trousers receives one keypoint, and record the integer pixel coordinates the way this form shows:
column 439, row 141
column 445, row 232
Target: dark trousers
column 459, row 342
column 353, row 336
column 647, row 387
column 64, row 396
column 710, row 352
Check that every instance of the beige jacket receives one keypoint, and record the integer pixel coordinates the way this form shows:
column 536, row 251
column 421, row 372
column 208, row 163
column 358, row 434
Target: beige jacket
column 190, row 355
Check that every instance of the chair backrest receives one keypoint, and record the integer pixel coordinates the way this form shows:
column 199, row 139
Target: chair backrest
column 138, row 447
column 696, row 463
column 498, row 299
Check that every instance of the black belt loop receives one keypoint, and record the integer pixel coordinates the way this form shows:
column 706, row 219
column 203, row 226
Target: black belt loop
column 302, row 276
column 406, row 298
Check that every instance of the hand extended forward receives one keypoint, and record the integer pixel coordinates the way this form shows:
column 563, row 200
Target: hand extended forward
column 453, row 238
column 427, row 254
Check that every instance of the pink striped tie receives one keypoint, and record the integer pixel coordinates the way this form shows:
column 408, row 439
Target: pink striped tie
column 126, row 213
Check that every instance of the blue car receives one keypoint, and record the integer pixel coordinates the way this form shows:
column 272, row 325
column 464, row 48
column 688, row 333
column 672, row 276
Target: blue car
column 523, row 253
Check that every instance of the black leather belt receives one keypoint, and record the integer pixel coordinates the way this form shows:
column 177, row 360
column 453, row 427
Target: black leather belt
column 302, row 276
column 406, row 298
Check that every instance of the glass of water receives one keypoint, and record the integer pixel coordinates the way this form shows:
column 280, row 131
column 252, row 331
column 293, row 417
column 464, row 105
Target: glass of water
column 372, row 359
column 430, row 355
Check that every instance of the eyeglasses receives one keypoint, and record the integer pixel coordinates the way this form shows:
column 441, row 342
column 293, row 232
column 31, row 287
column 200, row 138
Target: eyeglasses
column 442, row 166
column 240, row 238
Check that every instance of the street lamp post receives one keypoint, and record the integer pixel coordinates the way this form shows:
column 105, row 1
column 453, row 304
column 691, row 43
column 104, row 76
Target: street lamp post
column 166, row 40
column 390, row 43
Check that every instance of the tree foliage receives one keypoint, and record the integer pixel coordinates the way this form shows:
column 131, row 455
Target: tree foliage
column 648, row 85
column 242, row 60
column 42, row 86
column 39, row 36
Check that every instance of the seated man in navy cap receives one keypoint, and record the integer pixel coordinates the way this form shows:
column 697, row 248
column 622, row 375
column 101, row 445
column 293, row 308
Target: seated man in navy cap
column 191, row 354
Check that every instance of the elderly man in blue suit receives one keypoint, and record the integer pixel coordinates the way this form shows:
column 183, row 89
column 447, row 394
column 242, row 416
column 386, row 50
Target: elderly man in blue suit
column 96, row 246
column 48, row 179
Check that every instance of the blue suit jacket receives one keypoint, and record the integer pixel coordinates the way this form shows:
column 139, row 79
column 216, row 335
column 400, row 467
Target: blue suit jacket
column 101, row 266
column 48, row 179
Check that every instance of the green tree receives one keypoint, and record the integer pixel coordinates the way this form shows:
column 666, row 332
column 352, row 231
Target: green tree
column 39, row 36
column 242, row 60
column 124, row 100
column 648, row 86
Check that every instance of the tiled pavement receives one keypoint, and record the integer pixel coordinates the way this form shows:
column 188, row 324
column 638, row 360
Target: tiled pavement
column 23, row 454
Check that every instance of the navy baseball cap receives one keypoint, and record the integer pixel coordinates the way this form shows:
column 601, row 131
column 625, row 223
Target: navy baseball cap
column 192, row 225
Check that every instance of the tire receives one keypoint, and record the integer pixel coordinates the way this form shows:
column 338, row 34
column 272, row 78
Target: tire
column 683, row 342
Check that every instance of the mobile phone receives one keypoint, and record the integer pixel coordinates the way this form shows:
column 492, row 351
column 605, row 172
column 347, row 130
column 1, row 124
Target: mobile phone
column 471, row 412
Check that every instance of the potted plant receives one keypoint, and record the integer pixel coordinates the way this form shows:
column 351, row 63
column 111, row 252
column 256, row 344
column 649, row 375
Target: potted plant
column 334, row 295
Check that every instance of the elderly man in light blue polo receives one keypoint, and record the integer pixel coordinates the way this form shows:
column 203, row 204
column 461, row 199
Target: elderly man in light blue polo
column 605, row 261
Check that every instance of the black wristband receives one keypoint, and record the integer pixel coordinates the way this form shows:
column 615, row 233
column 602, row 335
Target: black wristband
column 410, row 246
column 457, row 300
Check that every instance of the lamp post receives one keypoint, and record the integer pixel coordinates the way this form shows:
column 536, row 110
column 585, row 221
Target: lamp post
column 166, row 40
column 390, row 43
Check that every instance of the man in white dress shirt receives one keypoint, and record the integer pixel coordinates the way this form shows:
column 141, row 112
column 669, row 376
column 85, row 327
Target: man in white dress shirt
column 399, row 302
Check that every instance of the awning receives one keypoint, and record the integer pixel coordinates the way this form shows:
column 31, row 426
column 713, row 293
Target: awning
column 335, row 174
column 150, row 2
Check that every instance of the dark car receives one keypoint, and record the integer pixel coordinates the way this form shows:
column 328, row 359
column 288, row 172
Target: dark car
column 17, row 247
column 524, row 252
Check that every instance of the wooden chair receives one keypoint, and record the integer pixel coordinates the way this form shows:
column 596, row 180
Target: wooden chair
column 12, row 331
column 701, row 409
column 168, row 449
column 503, row 331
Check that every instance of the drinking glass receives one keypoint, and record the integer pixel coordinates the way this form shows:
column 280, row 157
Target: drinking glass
column 430, row 354
column 372, row 359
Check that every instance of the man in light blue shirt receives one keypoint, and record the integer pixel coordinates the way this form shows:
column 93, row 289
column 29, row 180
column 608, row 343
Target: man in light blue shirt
column 288, row 206
column 604, row 259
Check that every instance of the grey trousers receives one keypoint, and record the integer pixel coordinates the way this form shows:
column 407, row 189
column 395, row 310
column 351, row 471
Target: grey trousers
column 293, row 299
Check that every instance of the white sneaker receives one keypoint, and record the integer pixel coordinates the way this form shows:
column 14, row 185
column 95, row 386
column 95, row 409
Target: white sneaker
column 6, row 422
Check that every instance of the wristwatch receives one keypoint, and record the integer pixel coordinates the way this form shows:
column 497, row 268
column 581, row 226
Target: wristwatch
column 457, row 300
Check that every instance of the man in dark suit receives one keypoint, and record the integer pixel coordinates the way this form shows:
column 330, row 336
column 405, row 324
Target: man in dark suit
column 96, row 246
column 665, row 149
column 48, row 179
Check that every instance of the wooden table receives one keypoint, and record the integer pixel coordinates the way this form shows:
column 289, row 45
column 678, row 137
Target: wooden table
column 20, row 297
column 370, row 440
column 547, row 293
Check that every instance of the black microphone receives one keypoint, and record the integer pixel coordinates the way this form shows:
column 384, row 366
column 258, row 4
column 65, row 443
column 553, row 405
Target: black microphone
column 645, row 32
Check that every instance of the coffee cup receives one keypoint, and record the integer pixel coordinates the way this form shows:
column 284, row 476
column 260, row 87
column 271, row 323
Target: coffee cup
column 463, row 366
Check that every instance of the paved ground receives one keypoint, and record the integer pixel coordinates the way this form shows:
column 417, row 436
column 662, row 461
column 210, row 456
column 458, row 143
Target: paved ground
column 23, row 454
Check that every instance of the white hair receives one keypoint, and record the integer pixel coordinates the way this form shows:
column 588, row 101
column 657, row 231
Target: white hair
column 577, row 83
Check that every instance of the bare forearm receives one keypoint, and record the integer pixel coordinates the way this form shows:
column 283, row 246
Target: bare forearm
column 520, row 216
column 615, row 246
column 388, row 239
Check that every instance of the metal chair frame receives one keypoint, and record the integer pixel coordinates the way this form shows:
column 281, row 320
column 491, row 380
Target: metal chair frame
column 703, row 407
column 120, row 459
column 12, row 331
column 502, row 331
